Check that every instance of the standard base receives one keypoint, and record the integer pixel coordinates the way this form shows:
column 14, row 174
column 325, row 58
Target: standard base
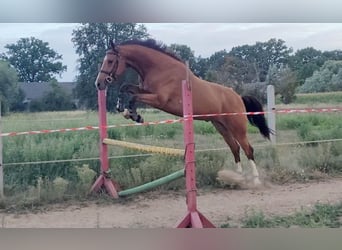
column 195, row 220
column 109, row 185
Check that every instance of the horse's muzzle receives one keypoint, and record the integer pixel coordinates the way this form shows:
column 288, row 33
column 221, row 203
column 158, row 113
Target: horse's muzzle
column 101, row 85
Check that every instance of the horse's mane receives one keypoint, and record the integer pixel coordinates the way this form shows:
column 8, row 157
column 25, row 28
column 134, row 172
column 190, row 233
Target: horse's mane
column 153, row 44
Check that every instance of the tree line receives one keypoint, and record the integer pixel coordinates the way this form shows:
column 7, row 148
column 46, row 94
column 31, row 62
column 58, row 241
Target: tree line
column 246, row 68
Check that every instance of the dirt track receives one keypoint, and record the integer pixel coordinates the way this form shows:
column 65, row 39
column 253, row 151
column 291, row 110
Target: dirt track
column 152, row 210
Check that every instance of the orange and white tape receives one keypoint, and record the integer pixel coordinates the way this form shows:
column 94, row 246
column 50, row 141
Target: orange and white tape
column 170, row 121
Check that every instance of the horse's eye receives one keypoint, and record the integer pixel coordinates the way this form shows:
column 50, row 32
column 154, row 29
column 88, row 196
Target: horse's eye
column 110, row 61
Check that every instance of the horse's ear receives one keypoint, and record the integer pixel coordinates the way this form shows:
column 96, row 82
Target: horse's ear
column 114, row 47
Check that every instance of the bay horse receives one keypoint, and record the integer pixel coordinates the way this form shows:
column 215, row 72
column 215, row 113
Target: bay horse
column 161, row 73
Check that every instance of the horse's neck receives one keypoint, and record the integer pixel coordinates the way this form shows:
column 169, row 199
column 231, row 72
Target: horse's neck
column 144, row 60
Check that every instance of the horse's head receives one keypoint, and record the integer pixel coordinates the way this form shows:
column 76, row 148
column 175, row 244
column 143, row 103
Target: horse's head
column 113, row 66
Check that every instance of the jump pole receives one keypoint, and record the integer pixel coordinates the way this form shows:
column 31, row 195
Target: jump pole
column 104, row 179
column 193, row 218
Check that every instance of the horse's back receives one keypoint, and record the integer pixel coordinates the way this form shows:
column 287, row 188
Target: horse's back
column 216, row 98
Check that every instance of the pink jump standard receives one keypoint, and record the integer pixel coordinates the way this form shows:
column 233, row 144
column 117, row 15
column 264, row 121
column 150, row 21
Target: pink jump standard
column 193, row 218
column 104, row 180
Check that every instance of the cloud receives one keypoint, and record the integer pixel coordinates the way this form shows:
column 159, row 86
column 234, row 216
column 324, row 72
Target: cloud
column 58, row 35
column 207, row 38
column 203, row 38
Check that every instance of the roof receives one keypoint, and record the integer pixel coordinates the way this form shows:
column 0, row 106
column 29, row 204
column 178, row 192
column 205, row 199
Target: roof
column 35, row 90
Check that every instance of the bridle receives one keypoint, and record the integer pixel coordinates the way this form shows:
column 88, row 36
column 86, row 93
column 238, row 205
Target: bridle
column 112, row 73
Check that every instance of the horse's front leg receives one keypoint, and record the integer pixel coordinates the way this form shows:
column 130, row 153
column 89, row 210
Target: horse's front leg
column 119, row 105
column 131, row 112
column 147, row 98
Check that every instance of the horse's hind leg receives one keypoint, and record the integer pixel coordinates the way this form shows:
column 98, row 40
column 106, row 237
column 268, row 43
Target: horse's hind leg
column 234, row 146
column 236, row 137
column 249, row 151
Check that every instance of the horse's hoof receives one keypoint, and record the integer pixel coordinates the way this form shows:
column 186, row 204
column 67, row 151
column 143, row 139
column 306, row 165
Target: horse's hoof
column 140, row 119
column 257, row 182
column 126, row 114
column 119, row 109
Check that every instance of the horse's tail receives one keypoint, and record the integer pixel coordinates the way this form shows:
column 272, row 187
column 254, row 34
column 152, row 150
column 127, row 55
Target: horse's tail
column 259, row 121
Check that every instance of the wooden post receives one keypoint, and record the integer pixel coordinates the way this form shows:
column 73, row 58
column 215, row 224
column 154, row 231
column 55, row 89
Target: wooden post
column 271, row 114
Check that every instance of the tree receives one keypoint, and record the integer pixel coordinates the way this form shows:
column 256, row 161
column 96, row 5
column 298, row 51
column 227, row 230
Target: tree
column 263, row 54
column 235, row 72
column 217, row 59
column 305, row 62
column 284, row 81
column 327, row 78
column 10, row 95
column 333, row 55
column 197, row 65
column 214, row 64
column 34, row 60
column 91, row 41
column 185, row 53
column 200, row 67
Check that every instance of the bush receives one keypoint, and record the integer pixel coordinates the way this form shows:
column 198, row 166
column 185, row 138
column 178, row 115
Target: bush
column 258, row 90
column 284, row 81
column 60, row 186
column 327, row 78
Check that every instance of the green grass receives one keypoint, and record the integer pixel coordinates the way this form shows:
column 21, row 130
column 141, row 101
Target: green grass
column 282, row 164
column 314, row 98
column 321, row 216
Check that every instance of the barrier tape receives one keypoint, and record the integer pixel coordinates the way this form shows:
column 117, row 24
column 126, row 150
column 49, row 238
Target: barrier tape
column 170, row 121
column 46, row 131
column 283, row 111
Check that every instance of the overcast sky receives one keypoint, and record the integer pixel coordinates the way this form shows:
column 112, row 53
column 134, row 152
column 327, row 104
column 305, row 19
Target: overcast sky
column 203, row 38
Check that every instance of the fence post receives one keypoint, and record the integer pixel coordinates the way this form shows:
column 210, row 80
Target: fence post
column 271, row 114
column 1, row 163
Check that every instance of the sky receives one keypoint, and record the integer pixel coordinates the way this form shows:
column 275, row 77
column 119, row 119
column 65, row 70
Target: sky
column 203, row 38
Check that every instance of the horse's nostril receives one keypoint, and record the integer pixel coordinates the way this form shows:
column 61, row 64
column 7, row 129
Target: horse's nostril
column 100, row 86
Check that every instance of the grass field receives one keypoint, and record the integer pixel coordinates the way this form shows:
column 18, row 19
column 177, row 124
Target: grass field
column 30, row 175
column 321, row 216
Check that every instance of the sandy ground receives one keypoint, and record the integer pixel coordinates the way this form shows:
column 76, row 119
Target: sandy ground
column 155, row 210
